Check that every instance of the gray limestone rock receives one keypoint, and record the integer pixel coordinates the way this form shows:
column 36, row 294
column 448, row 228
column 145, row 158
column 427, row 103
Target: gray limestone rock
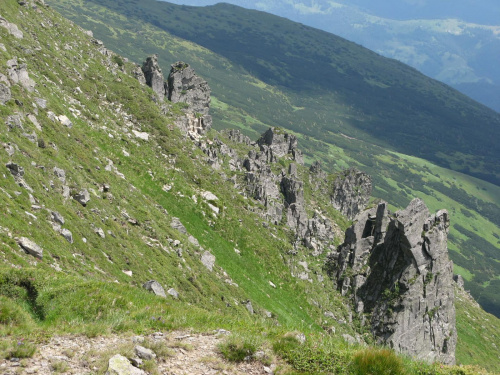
column 57, row 217
column 66, row 233
column 236, row 136
column 83, row 197
column 155, row 287
column 459, row 280
column 173, row 293
column 18, row 73
column 31, row 247
column 144, row 353
column 351, row 192
column 42, row 103
column 119, row 365
column 176, row 224
column 5, row 94
column 249, row 307
column 401, row 276
column 139, row 74
column 154, row 76
column 208, row 260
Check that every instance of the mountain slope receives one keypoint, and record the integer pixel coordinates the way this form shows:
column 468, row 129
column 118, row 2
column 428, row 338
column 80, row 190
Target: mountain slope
column 242, row 101
column 77, row 125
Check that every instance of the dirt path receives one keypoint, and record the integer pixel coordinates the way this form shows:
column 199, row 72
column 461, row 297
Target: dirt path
column 192, row 354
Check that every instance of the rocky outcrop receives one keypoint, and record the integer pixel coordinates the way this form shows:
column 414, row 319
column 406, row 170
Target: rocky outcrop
column 184, row 86
column 397, row 271
column 351, row 192
column 277, row 143
column 154, row 76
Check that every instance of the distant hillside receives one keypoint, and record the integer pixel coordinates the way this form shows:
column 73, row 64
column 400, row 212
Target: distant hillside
column 385, row 102
column 456, row 45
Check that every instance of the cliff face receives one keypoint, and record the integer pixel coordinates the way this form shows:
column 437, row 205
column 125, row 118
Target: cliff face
column 397, row 271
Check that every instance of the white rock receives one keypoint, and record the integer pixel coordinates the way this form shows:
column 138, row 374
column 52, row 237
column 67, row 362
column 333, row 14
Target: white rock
column 141, row 135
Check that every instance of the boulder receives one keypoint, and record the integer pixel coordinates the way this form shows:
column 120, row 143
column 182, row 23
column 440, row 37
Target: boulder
column 119, row 365
column 83, row 197
column 208, row 260
column 155, row 287
column 31, row 247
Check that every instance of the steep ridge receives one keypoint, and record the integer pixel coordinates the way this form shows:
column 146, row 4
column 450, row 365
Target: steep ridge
column 106, row 191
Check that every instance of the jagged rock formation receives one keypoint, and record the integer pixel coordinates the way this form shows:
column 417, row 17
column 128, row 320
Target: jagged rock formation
column 277, row 143
column 397, row 270
column 351, row 192
column 281, row 192
column 184, row 86
column 154, row 76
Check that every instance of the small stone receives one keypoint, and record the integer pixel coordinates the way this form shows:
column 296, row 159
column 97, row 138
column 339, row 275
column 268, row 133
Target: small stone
column 141, row 135
column 144, row 353
column 249, row 307
column 100, row 232
column 155, row 287
column 57, row 217
column 67, row 235
column 173, row 293
column 208, row 260
column 64, row 120
column 42, row 103
column 60, row 174
column 31, row 247
column 119, row 365
column 176, row 224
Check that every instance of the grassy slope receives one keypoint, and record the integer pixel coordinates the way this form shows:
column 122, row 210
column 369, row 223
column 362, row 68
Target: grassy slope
column 37, row 300
column 245, row 102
